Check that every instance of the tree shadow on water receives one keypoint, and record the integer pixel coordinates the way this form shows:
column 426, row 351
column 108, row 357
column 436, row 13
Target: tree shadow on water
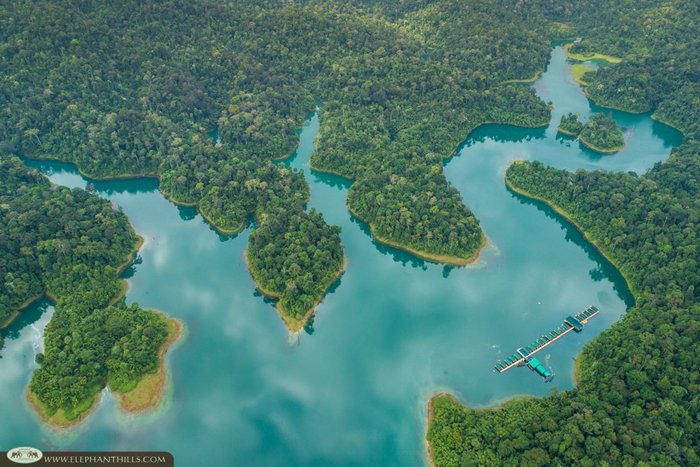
column 309, row 326
column 187, row 213
column 400, row 256
column 27, row 317
column 502, row 134
column 604, row 269
column 130, row 270
column 335, row 181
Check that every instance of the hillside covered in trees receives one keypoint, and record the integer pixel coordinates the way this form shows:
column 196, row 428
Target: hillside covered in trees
column 56, row 241
column 636, row 402
column 71, row 245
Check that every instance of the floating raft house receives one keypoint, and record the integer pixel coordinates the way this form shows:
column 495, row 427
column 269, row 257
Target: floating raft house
column 523, row 356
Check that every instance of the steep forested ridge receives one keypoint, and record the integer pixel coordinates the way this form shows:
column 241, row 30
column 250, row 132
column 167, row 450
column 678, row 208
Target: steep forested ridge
column 637, row 400
column 70, row 245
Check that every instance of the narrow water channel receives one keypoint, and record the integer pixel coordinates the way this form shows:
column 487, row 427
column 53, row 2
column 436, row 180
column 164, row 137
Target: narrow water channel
column 396, row 329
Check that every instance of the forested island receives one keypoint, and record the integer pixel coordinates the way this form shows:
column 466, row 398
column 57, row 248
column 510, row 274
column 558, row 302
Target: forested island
column 570, row 125
column 637, row 384
column 600, row 133
column 71, row 245
column 129, row 89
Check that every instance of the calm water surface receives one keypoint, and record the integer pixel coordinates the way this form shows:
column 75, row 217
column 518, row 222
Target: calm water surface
column 353, row 388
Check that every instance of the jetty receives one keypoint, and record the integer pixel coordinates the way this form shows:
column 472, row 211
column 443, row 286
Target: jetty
column 523, row 356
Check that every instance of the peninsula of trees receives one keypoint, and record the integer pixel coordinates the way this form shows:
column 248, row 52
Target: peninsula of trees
column 133, row 88
column 636, row 399
column 70, row 246
column 286, row 244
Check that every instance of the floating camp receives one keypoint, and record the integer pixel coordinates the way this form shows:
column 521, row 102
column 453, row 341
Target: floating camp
column 523, row 356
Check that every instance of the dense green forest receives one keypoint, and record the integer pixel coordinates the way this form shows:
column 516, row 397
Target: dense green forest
column 57, row 240
column 659, row 71
column 636, row 402
column 570, row 125
column 601, row 134
column 70, row 245
column 127, row 88
column 638, row 383
column 135, row 88
column 306, row 251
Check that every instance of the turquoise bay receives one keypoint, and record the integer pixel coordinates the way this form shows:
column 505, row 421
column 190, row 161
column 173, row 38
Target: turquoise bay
column 393, row 331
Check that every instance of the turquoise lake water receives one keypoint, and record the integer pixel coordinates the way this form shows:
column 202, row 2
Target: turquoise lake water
column 352, row 390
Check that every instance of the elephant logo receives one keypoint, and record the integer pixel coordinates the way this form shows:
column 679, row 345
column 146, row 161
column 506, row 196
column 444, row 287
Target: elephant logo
column 24, row 455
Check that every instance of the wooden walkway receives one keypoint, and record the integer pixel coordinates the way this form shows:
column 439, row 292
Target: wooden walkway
column 572, row 323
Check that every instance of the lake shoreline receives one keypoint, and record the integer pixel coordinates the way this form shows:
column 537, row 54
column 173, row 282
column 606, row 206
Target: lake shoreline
column 529, row 80
column 435, row 258
column 84, row 174
column 22, row 306
column 151, row 388
column 168, row 196
column 578, row 70
column 599, row 150
column 566, row 216
column 58, row 420
column 659, row 119
column 197, row 205
column 578, row 57
column 476, row 127
column 120, row 269
column 329, row 172
column 428, row 420
column 431, row 413
column 567, row 133
column 611, row 106
column 151, row 399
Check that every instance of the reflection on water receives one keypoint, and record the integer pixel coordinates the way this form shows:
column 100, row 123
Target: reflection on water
column 29, row 317
column 187, row 213
column 392, row 331
column 398, row 255
column 510, row 134
column 604, row 269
